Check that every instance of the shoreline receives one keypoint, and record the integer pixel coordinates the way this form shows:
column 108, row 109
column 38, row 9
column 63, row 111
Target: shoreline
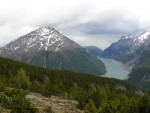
column 125, row 67
column 112, row 67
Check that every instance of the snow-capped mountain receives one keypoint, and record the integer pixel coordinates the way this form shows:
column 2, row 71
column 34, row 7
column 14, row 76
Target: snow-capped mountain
column 129, row 48
column 138, row 38
column 46, row 38
column 142, row 37
column 48, row 48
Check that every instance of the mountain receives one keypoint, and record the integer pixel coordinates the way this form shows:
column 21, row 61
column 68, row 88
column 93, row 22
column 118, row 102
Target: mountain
column 94, row 50
column 26, row 89
column 140, row 74
column 129, row 48
column 48, row 48
column 134, row 51
column 29, row 89
column 42, row 39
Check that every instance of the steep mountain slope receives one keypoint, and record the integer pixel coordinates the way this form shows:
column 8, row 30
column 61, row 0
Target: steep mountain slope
column 140, row 74
column 119, row 50
column 94, row 50
column 134, row 51
column 46, row 38
column 48, row 48
column 129, row 48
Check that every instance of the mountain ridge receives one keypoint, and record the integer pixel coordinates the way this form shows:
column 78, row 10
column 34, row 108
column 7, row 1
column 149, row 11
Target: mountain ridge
column 127, row 48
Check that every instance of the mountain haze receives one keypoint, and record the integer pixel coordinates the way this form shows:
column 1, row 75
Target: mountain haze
column 94, row 50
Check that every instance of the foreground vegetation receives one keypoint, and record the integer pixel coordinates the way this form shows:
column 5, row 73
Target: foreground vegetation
column 94, row 94
column 15, row 100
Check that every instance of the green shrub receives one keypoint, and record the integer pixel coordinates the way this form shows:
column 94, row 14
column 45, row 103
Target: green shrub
column 2, row 88
column 22, row 105
column 48, row 109
column 4, row 100
column 13, row 92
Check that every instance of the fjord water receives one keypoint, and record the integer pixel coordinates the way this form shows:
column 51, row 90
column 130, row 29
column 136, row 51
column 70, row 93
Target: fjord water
column 115, row 69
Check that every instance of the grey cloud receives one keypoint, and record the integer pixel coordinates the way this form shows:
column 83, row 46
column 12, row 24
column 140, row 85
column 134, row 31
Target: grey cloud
column 109, row 23
column 81, row 19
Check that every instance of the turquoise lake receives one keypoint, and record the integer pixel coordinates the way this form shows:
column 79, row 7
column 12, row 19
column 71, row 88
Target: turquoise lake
column 115, row 69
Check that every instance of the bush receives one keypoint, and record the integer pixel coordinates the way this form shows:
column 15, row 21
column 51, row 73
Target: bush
column 13, row 92
column 48, row 109
column 4, row 100
column 2, row 88
column 22, row 105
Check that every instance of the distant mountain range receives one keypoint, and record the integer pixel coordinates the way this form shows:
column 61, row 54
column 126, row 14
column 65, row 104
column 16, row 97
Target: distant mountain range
column 48, row 48
column 94, row 50
column 134, row 51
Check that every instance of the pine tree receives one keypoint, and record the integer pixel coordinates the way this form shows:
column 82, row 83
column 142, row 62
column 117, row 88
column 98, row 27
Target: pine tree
column 90, row 107
column 22, row 79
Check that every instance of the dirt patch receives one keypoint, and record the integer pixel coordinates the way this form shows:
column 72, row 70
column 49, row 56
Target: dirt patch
column 58, row 104
column 3, row 110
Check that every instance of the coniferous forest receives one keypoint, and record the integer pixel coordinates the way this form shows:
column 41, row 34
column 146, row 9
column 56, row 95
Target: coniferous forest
column 94, row 94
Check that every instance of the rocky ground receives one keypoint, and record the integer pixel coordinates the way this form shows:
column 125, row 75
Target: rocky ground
column 53, row 104
column 3, row 110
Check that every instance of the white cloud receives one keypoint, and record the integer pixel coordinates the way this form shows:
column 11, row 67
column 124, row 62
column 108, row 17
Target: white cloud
column 100, row 40
column 99, row 20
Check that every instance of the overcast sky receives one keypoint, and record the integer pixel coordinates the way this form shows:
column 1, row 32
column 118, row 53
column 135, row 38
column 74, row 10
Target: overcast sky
column 88, row 22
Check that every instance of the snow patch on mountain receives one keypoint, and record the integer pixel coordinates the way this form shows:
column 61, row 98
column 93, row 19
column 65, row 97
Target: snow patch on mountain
column 142, row 37
column 45, row 38
column 42, row 39
column 126, row 37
